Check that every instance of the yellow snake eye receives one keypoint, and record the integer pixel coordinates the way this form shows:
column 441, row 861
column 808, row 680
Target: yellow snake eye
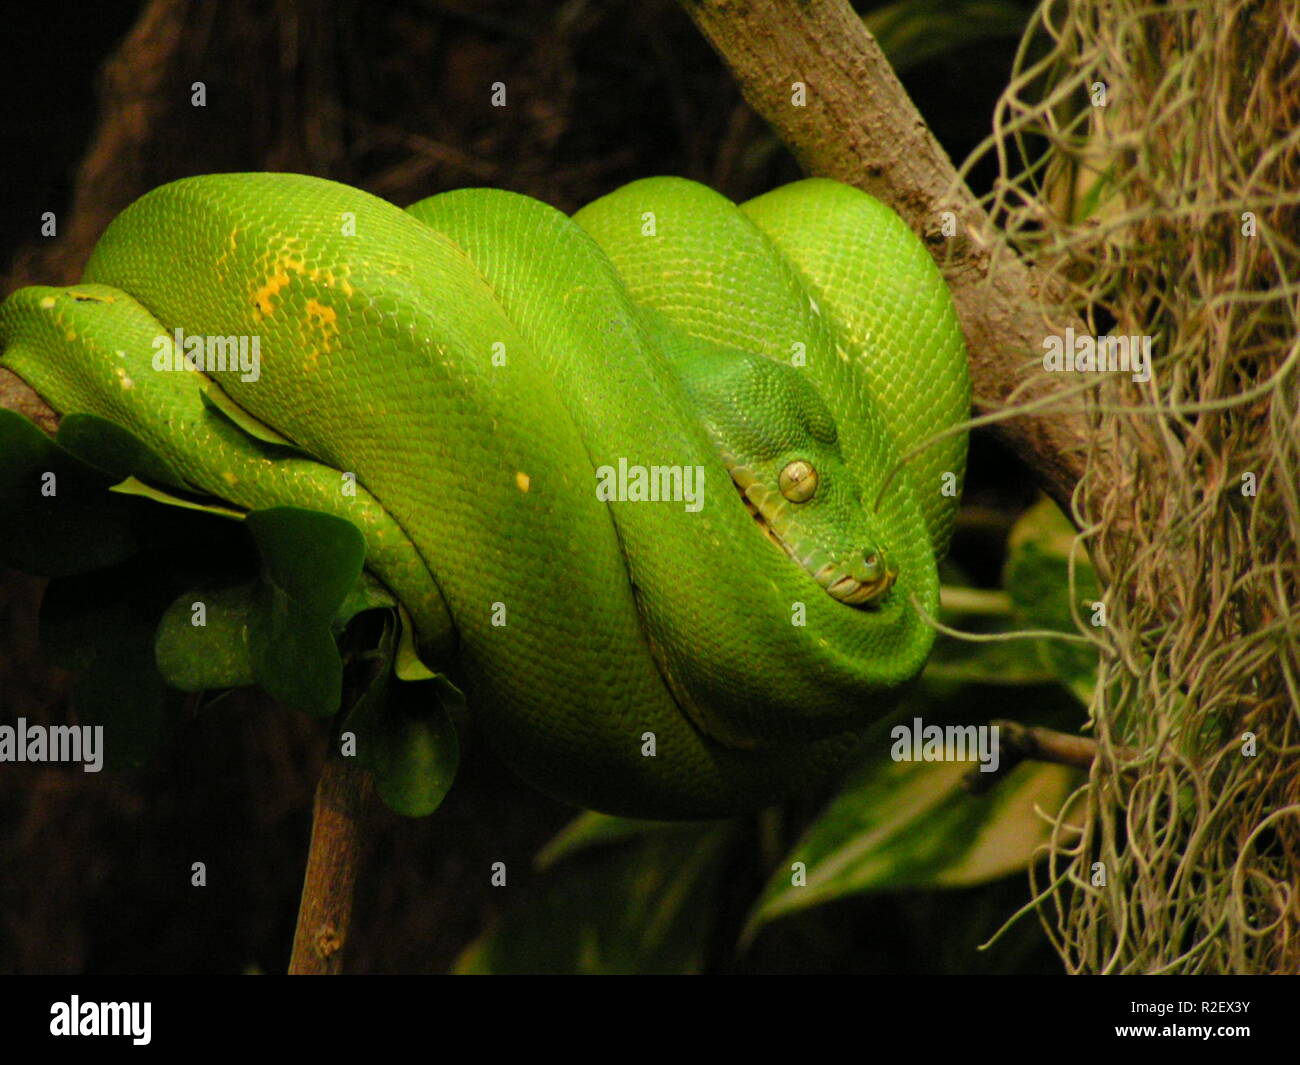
column 798, row 481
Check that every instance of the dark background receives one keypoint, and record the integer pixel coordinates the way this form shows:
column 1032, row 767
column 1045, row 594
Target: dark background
column 95, row 869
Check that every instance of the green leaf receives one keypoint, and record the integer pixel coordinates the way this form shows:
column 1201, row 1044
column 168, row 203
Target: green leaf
column 140, row 490
column 59, row 517
column 367, row 594
column 645, row 906
column 1102, row 192
column 590, row 829
column 217, row 654
column 1038, row 580
column 214, row 655
column 416, row 757
column 310, row 562
column 409, row 665
column 404, row 733
column 221, row 405
column 913, row 31
column 909, row 824
column 112, row 449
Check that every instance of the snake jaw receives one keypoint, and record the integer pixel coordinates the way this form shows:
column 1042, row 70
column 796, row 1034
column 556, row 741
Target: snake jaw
column 761, row 521
column 839, row 585
column 853, row 592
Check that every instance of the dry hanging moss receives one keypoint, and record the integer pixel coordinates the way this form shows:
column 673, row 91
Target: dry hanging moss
column 1149, row 160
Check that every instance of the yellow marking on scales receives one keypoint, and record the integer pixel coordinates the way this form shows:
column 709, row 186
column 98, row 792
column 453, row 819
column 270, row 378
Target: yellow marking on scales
column 322, row 316
column 323, row 321
column 523, row 481
column 263, row 296
column 232, row 249
column 287, row 265
column 47, row 303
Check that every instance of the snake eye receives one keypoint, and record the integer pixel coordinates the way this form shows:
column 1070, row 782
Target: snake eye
column 798, row 481
column 873, row 569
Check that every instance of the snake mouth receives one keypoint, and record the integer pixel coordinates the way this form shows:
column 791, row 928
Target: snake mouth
column 761, row 520
column 840, row 586
column 852, row 592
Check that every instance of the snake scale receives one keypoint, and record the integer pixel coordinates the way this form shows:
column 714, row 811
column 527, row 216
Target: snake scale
column 636, row 472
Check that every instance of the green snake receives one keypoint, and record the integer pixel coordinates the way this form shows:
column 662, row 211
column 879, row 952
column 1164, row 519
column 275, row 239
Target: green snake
column 639, row 472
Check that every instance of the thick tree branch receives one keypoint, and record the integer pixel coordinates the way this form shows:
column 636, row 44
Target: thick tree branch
column 858, row 125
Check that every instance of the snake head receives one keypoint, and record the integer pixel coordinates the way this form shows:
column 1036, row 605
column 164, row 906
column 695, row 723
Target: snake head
column 820, row 531
column 780, row 445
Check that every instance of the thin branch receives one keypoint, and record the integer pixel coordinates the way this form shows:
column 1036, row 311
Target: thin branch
column 344, row 799
column 1019, row 743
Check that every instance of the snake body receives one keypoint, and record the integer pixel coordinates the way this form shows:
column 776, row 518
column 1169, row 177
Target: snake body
column 483, row 364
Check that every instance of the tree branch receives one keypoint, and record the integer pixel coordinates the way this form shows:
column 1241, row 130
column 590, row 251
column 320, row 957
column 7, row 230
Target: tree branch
column 859, row 126
column 17, row 395
column 1019, row 743
column 344, row 798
